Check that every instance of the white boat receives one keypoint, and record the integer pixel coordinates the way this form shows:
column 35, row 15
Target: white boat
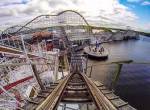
column 99, row 53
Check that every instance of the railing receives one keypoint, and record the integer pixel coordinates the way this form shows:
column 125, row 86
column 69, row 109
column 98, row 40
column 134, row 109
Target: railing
column 18, row 43
column 11, row 41
column 19, row 73
column 9, row 104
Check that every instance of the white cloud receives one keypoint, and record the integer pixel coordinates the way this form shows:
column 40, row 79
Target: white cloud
column 146, row 3
column 99, row 12
column 147, row 26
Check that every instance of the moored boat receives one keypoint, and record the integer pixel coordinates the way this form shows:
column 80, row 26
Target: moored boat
column 99, row 53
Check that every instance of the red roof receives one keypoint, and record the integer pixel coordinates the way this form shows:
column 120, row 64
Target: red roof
column 41, row 35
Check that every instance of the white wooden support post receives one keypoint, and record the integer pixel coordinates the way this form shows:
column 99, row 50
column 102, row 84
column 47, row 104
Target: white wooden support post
column 32, row 67
column 56, row 67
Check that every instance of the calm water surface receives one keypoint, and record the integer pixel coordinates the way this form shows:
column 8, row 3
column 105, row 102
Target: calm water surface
column 134, row 82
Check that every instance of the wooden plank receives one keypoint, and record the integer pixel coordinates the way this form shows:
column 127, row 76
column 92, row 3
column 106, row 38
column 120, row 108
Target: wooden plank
column 42, row 96
column 102, row 88
column 118, row 103
column 111, row 96
column 34, row 102
column 98, row 83
column 9, row 50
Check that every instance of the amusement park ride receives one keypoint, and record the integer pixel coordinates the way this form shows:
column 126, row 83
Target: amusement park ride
column 42, row 69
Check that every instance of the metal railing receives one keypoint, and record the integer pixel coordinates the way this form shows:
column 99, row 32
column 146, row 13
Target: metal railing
column 18, row 43
column 27, row 75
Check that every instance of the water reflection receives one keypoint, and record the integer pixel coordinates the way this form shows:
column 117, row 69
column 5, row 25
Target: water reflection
column 134, row 82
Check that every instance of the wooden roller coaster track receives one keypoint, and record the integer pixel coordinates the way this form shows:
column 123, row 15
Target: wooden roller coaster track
column 77, row 88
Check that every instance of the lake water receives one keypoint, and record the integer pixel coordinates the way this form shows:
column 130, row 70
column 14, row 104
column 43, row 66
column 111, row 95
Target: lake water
column 133, row 85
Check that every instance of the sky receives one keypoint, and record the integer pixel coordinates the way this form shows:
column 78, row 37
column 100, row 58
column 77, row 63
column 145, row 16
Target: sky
column 107, row 13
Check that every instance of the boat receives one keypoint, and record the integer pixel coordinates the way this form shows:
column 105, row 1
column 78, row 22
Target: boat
column 97, row 53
